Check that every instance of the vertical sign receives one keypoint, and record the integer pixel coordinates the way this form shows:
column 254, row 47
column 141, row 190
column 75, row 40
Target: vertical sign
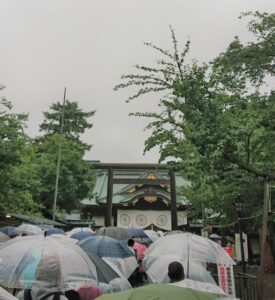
column 226, row 279
column 238, row 247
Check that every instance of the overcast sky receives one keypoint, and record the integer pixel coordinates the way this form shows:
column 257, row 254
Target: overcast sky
column 87, row 45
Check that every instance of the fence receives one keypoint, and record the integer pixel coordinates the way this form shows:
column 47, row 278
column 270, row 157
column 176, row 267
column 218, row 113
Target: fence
column 246, row 286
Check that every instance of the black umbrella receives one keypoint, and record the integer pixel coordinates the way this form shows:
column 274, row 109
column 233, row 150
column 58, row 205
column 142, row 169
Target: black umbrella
column 104, row 272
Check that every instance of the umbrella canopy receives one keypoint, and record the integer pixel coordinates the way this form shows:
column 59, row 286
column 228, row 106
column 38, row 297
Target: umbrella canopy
column 53, row 230
column 104, row 246
column 115, row 253
column 173, row 232
column 29, row 229
column 137, row 233
column 80, row 235
column 3, row 237
column 104, row 272
column 157, row 269
column 4, row 295
column 44, row 262
column 78, row 229
column 153, row 236
column 9, row 230
column 159, row 292
column 191, row 247
column 117, row 233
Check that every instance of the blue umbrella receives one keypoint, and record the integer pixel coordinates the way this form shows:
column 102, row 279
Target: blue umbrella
column 9, row 230
column 104, row 246
column 82, row 235
column 51, row 231
column 137, row 233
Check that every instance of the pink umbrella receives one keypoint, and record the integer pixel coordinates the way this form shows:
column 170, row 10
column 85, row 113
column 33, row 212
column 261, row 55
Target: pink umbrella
column 140, row 248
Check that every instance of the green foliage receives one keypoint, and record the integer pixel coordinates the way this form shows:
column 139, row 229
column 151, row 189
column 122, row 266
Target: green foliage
column 213, row 126
column 18, row 180
column 75, row 121
column 76, row 178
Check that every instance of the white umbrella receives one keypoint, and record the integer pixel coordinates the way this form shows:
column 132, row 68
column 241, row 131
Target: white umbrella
column 160, row 233
column 191, row 247
column 46, row 263
column 29, row 229
column 153, row 236
column 4, row 295
column 3, row 237
column 157, row 269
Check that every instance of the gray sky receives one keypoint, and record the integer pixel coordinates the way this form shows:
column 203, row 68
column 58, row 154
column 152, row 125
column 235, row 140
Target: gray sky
column 87, row 45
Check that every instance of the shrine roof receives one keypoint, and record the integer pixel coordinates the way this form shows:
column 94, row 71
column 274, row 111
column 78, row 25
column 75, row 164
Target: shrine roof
column 126, row 192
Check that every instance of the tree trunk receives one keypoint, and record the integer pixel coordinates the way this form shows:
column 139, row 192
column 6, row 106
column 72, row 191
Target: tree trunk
column 263, row 238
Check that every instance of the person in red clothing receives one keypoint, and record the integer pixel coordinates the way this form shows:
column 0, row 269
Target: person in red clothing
column 228, row 250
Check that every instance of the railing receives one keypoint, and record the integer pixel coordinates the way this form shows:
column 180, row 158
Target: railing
column 246, row 286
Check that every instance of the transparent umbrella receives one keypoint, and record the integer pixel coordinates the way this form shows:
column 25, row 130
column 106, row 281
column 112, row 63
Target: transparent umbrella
column 191, row 247
column 79, row 229
column 117, row 233
column 152, row 235
column 46, row 263
column 156, row 268
column 4, row 295
column 116, row 253
column 29, row 229
column 4, row 237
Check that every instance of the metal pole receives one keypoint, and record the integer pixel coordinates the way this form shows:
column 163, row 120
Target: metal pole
column 59, row 156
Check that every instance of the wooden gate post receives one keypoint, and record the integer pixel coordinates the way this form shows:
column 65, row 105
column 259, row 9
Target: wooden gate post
column 173, row 196
column 108, row 215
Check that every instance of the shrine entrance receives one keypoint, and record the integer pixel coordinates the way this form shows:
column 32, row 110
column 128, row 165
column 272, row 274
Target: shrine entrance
column 111, row 167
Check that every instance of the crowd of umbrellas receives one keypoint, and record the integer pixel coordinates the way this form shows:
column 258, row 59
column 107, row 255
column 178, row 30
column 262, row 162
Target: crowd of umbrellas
column 57, row 261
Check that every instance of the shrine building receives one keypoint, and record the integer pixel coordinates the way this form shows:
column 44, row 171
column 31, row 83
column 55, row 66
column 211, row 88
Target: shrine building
column 139, row 197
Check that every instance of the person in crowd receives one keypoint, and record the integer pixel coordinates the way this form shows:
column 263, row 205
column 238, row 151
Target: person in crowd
column 72, row 295
column 136, row 278
column 177, row 278
column 87, row 292
column 131, row 244
column 47, row 271
column 38, row 294
column 175, row 272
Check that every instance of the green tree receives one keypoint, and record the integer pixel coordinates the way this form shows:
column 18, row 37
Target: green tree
column 76, row 177
column 213, row 123
column 17, row 173
column 75, row 121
